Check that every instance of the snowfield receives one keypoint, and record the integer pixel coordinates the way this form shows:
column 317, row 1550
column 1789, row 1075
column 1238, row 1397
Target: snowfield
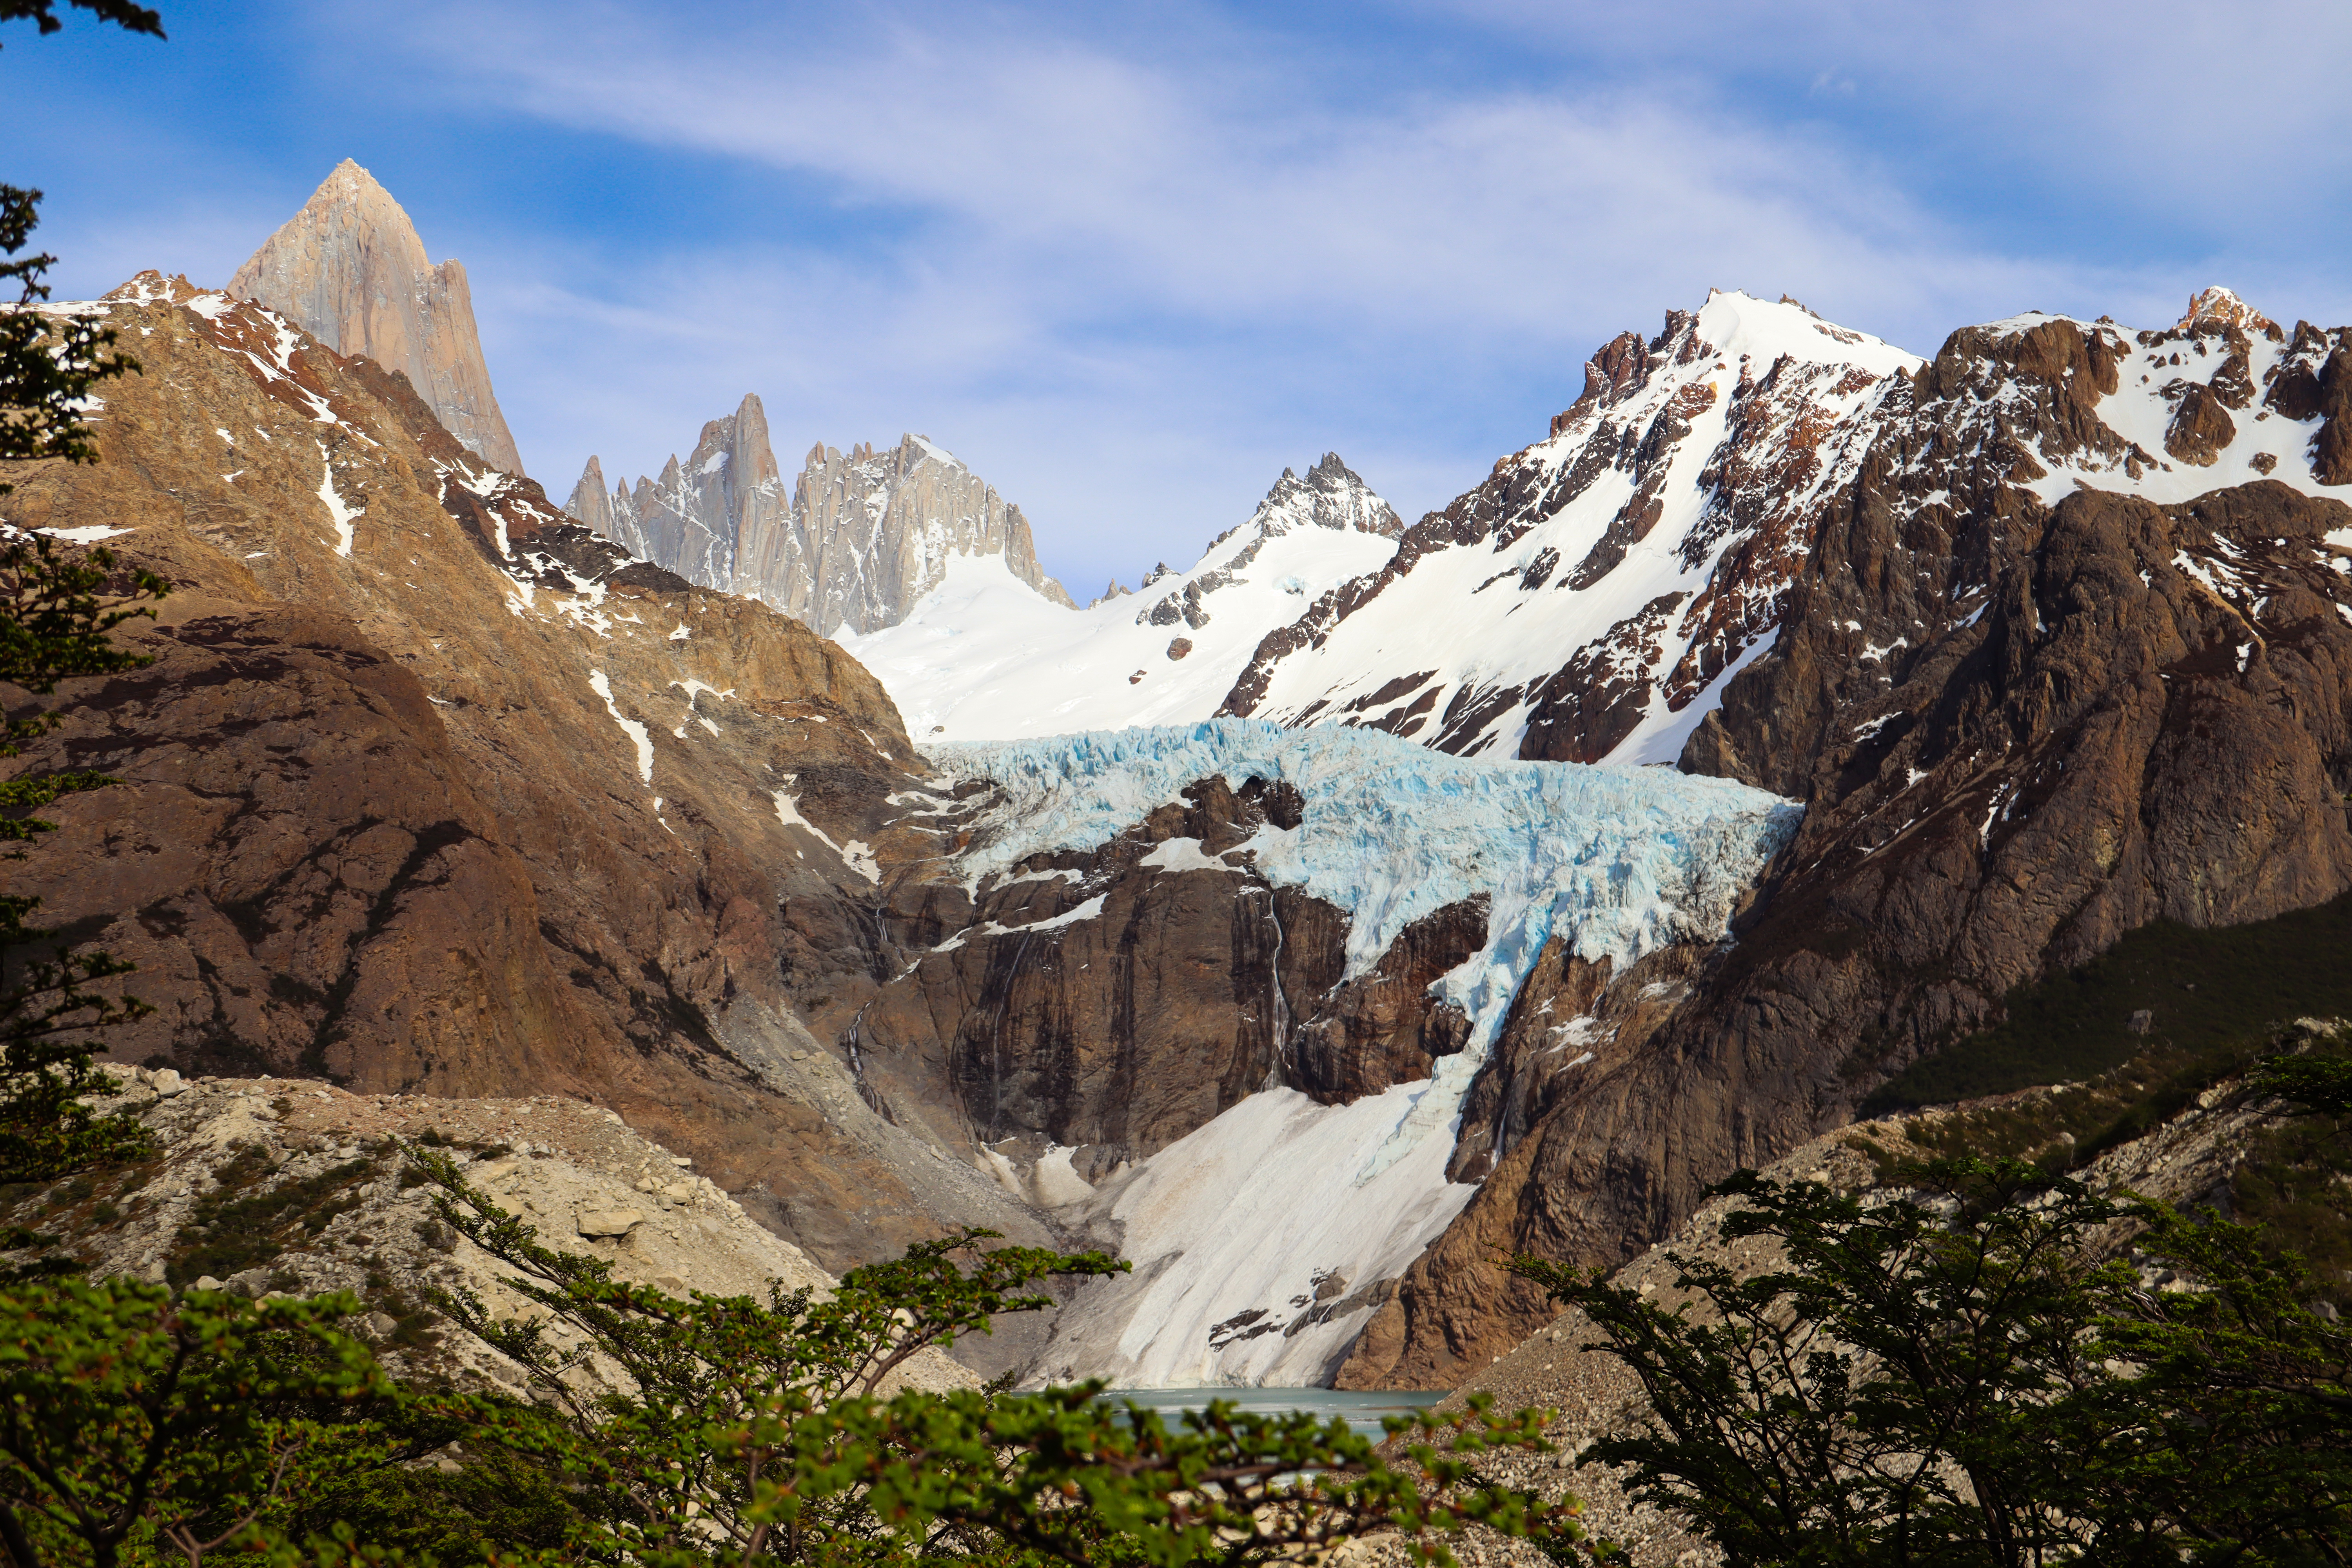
column 1247, row 1211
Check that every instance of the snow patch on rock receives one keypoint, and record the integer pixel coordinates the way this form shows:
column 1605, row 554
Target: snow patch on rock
column 637, row 731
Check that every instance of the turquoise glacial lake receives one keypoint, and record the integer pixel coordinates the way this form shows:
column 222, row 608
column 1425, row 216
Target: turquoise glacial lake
column 1362, row 1411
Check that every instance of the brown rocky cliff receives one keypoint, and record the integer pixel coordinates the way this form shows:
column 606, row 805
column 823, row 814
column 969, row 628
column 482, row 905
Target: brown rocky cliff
column 1107, row 1001
column 1384, row 1028
column 2020, row 731
column 430, row 790
column 350, row 270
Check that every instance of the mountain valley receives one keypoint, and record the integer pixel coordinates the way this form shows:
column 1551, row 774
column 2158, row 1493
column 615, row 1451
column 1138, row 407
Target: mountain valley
column 1312, row 925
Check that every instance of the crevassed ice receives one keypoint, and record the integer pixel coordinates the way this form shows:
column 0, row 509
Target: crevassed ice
column 1239, row 1214
column 1622, row 861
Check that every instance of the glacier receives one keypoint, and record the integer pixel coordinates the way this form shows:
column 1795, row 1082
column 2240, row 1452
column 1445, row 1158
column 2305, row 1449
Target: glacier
column 1246, row 1212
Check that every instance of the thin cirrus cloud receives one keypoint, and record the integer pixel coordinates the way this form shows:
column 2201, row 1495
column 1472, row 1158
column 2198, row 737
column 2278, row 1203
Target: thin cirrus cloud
column 1130, row 263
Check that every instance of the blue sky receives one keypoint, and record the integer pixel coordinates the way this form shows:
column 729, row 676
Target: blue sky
column 1129, row 262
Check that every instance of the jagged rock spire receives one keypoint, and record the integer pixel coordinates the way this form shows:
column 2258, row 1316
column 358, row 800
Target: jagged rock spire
column 350, row 270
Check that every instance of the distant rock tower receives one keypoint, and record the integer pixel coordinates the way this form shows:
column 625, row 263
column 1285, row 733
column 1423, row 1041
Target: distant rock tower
column 350, row 270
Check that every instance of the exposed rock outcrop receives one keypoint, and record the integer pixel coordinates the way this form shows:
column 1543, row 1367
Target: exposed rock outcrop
column 850, row 546
column 1105, row 1002
column 1385, row 1027
column 350, row 270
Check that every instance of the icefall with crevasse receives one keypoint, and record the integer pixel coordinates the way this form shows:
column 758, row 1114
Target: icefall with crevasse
column 1621, row 860
column 1617, row 861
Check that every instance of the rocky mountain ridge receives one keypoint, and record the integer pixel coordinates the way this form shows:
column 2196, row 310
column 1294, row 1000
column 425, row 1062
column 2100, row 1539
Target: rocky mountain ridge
column 431, row 790
column 350, row 270
column 850, row 547
column 434, row 788
column 2026, row 710
column 1671, row 505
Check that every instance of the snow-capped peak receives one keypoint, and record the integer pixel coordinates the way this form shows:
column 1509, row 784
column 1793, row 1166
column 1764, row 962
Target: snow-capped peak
column 2218, row 307
column 1331, row 496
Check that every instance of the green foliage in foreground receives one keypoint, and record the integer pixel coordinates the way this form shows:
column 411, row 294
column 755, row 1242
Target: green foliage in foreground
column 135, row 1430
column 1938, row 1377
column 763, row 1432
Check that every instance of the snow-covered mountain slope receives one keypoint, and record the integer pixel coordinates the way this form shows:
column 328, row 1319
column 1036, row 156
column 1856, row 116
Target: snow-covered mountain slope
column 1239, row 1230
column 1590, row 600
column 985, row 658
column 1582, row 601
column 848, row 547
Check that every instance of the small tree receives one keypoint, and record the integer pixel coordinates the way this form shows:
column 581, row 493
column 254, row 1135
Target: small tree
column 1941, row 1377
column 2321, row 1085
column 133, row 1426
column 57, row 611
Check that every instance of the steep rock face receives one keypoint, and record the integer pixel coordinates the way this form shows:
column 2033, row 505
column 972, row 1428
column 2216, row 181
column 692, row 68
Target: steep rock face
column 1385, row 1027
column 980, row 658
column 850, row 546
column 1106, row 1002
column 2028, row 710
column 874, row 532
column 431, row 790
column 350, row 270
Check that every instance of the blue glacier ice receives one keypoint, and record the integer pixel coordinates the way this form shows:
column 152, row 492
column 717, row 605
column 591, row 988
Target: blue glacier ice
column 1239, row 1214
column 1621, row 861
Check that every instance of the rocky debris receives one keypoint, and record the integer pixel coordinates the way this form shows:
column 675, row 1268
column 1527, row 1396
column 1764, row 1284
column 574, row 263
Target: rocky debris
column 1179, row 647
column 848, row 547
column 611, row 1224
column 350, row 270
column 431, row 791
column 298, row 1185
